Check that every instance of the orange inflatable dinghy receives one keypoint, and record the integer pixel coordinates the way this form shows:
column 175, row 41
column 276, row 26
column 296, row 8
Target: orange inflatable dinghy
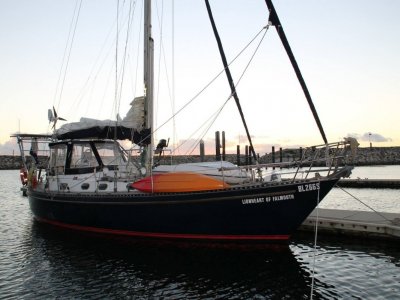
column 178, row 182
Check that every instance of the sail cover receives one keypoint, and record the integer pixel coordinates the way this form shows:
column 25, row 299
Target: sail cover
column 131, row 127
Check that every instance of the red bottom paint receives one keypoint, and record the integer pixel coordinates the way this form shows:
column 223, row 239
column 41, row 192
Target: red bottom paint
column 168, row 235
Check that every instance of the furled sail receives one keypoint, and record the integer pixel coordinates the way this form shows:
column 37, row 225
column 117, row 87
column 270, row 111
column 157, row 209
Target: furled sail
column 130, row 127
column 135, row 116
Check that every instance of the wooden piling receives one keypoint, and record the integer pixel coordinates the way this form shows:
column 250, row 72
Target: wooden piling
column 217, row 147
column 202, row 153
column 246, row 153
column 238, row 155
column 223, row 145
column 273, row 156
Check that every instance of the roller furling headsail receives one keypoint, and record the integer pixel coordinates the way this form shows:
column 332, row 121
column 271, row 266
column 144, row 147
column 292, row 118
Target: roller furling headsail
column 230, row 79
column 274, row 21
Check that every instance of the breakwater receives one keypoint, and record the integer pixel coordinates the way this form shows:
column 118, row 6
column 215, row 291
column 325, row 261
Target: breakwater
column 370, row 183
column 10, row 162
column 364, row 157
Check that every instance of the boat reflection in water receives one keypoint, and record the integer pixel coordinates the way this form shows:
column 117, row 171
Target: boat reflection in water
column 87, row 265
column 45, row 262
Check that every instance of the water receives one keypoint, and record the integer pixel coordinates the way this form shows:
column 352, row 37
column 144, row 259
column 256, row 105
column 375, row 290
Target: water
column 39, row 261
column 382, row 200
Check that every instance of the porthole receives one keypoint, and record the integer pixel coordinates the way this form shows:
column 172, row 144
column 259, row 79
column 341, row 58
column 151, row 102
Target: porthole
column 103, row 186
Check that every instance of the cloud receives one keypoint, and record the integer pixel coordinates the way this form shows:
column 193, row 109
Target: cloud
column 370, row 137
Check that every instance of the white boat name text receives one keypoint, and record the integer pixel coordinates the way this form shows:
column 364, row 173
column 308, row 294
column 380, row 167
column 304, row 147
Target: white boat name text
column 267, row 199
column 308, row 187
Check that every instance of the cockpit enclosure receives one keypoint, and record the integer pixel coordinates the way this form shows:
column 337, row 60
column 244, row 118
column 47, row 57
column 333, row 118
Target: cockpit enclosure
column 58, row 154
column 111, row 154
column 87, row 156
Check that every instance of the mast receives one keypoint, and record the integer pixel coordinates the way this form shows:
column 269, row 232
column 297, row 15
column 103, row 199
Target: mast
column 148, row 74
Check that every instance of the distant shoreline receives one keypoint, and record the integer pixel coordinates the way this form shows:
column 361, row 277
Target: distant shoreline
column 365, row 157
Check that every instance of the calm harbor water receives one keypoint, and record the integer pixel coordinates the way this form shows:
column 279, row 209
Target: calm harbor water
column 382, row 200
column 41, row 262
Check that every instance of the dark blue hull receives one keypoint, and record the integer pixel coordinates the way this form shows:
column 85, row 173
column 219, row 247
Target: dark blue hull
column 258, row 213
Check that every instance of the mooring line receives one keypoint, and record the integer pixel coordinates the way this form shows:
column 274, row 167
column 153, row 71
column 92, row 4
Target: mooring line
column 377, row 212
column 315, row 247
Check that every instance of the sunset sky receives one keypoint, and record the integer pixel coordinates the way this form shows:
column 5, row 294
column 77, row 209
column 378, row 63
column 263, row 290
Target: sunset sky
column 348, row 52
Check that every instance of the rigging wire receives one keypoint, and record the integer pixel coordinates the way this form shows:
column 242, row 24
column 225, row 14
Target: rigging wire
column 130, row 18
column 94, row 74
column 215, row 115
column 102, row 57
column 160, row 23
column 162, row 57
column 229, row 77
column 64, row 54
column 210, row 82
column 116, row 65
column 69, row 44
column 211, row 123
column 174, row 137
column 254, row 53
column 137, row 49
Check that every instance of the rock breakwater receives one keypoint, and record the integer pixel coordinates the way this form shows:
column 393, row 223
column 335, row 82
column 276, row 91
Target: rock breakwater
column 364, row 157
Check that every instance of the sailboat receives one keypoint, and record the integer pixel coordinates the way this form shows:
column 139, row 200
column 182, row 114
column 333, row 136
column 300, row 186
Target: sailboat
column 91, row 183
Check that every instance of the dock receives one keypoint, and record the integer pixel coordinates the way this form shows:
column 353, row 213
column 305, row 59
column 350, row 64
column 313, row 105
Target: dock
column 370, row 183
column 354, row 223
